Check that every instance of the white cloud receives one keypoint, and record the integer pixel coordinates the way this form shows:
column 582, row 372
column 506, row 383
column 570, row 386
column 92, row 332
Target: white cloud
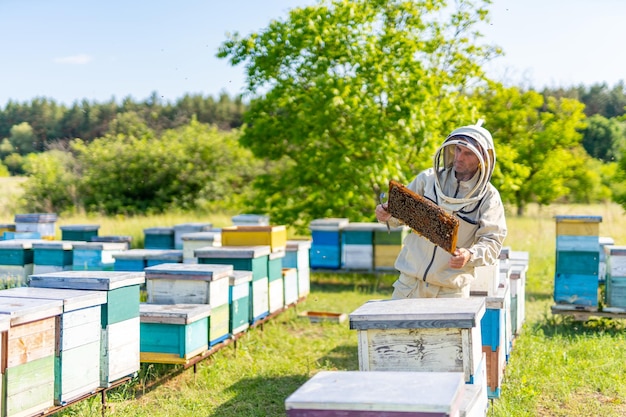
column 74, row 59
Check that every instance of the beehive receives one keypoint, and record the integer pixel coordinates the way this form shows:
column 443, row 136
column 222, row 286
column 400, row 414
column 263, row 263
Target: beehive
column 96, row 256
column 178, row 283
column 52, row 256
column 290, row 286
column 77, row 353
column 325, row 252
column 273, row 236
column 245, row 258
column 357, row 246
column 577, row 260
column 240, row 301
column 387, row 245
column 615, row 276
column 375, row 394
column 41, row 223
column 185, row 228
column 423, row 334
column 158, row 238
column 193, row 241
column 423, row 216
column 30, row 355
column 297, row 256
column 173, row 333
column 16, row 262
column 119, row 318
column 82, row 232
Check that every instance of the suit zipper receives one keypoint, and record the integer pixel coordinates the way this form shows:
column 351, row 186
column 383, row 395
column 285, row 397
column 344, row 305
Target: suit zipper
column 430, row 264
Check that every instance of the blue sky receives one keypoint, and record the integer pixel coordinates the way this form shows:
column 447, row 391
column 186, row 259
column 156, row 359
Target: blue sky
column 70, row 50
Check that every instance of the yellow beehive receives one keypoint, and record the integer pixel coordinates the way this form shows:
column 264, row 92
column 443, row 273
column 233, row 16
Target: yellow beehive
column 273, row 236
column 578, row 225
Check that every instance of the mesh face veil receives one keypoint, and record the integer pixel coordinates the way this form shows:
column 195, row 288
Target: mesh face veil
column 479, row 141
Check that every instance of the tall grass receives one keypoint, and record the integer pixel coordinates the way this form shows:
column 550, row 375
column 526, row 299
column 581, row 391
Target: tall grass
column 558, row 366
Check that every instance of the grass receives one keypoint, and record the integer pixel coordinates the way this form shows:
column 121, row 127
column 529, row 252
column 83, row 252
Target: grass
column 558, row 366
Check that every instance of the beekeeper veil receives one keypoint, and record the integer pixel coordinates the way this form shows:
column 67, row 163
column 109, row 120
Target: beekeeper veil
column 477, row 139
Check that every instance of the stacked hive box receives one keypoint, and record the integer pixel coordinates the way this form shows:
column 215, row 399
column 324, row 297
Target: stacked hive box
column 387, row 245
column 173, row 333
column 604, row 242
column 40, row 223
column 16, row 262
column 240, row 301
column 496, row 338
column 185, row 228
column 377, row 394
column 119, row 318
column 28, row 387
column 577, row 260
column 96, row 256
column 297, row 256
column 193, row 241
column 80, row 232
column 52, row 256
column 77, row 350
column 178, row 283
column 290, row 286
column 244, row 258
column 425, row 335
column 276, row 286
column 325, row 250
column 158, row 238
column 357, row 246
column 616, row 277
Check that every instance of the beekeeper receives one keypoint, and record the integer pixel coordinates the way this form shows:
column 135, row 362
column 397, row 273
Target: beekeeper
column 459, row 184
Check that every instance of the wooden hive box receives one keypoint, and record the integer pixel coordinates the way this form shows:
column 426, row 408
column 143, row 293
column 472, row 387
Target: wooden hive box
column 486, row 280
column 240, row 301
column 173, row 333
column 17, row 251
column 297, row 256
column 193, row 241
column 28, row 386
column 178, row 283
column 273, row 236
column 290, row 286
column 185, row 228
column 78, row 331
column 325, row 252
column 517, row 280
column 604, row 241
column 387, row 245
column 495, row 337
column 131, row 259
column 158, row 238
column 245, row 258
column 357, row 246
column 52, row 256
column 276, row 285
column 615, row 276
column 41, row 223
column 424, row 334
column 119, row 316
column 96, row 256
column 376, row 394
column 79, row 232
column 578, row 225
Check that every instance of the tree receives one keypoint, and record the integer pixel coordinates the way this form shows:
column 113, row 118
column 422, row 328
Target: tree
column 604, row 138
column 23, row 138
column 350, row 94
column 537, row 144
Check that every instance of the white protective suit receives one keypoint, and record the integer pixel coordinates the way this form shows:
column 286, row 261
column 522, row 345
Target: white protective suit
column 477, row 205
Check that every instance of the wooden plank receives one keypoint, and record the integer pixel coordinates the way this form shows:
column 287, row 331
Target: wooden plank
column 88, row 280
column 72, row 299
column 119, row 351
column 29, row 387
column 77, row 372
column 185, row 291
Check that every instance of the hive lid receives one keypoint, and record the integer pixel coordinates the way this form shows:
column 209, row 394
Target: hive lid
column 25, row 310
column 80, row 227
column 419, row 313
column 173, row 313
column 205, row 272
column 577, row 219
column 72, row 299
column 385, row 392
column 239, row 277
column 88, row 280
column 234, row 252
column 36, row 218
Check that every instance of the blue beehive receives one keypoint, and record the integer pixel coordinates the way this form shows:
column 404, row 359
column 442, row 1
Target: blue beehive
column 357, row 246
column 159, row 238
column 325, row 250
column 82, row 232
column 96, row 256
column 52, row 256
column 577, row 260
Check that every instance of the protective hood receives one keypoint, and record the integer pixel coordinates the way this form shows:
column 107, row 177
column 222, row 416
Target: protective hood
column 479, row 141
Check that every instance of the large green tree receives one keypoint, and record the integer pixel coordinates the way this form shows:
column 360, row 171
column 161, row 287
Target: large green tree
column 604, row 138
column 350, row 94
column 538, row 144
